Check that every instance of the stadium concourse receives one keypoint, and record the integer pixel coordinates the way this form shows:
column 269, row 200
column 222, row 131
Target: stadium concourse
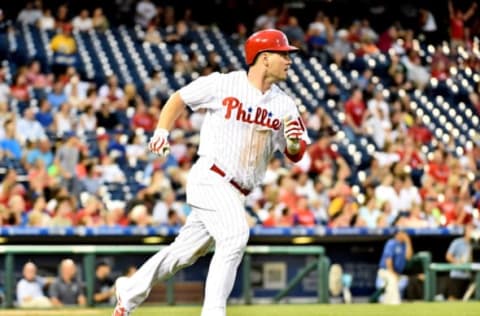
column 393, row 112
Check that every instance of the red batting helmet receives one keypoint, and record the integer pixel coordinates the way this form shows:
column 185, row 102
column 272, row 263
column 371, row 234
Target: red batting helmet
column 266, row 40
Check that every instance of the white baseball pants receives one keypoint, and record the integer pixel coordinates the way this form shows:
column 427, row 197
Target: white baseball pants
column 225, row 227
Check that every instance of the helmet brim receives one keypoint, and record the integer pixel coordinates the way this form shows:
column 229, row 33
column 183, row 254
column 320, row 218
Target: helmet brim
column 286, row 48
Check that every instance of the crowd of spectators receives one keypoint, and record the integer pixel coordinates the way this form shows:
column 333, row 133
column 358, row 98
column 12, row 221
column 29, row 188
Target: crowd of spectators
column 64, row 154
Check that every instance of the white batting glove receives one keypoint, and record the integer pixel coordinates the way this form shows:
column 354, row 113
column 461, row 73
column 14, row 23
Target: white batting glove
column 292, row 130
column 158, row 143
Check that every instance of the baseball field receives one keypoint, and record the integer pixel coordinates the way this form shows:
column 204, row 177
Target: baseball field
column 407, row 309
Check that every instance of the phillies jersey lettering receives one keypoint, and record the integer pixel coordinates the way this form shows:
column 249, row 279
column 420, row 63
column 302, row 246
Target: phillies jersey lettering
column 243, row 127
column 262, row 117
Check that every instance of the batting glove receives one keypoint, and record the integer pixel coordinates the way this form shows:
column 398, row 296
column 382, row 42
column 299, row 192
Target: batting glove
column 158, row 143
column 292, row 130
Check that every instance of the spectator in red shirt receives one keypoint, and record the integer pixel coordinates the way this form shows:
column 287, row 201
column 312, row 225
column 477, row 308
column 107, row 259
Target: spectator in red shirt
column 92, row 214
column 457, row 23
column 286, row 218
column 143, row 119
column 303, row 215
column 322, row 155
column 355, row 114
column 420, row 132
column 438, row 167
column 387, row 38
column 19, row 90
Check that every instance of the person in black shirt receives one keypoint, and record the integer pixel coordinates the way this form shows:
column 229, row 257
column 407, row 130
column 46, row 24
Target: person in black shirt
column 103, row 290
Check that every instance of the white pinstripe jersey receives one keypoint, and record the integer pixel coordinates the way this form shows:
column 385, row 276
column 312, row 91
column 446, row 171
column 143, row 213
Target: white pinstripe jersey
column 243, row 127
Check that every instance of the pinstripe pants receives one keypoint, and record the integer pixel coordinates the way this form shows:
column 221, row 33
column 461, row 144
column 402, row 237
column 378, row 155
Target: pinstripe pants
column 225, row 227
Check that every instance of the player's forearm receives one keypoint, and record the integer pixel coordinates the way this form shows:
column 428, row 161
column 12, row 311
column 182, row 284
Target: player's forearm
column 296, row 153
column 170, row 112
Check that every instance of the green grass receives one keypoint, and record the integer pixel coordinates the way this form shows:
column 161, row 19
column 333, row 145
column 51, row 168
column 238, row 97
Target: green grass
column 407, row 309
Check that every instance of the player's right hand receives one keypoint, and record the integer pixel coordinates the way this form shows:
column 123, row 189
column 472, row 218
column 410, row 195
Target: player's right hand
column 158, row 143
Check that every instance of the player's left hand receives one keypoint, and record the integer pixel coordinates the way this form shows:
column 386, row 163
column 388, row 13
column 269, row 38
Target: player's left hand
column 158, row 143
column 292, row 130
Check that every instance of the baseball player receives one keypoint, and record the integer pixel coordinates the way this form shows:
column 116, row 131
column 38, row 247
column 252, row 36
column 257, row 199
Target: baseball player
column 248, row 119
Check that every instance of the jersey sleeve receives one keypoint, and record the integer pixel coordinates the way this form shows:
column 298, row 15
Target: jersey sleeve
column 200, row 93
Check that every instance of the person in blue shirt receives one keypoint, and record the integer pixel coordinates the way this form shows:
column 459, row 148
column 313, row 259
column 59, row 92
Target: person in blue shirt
column 44, row 116
column 459, row 251
column 396, row 253
column 10, row 144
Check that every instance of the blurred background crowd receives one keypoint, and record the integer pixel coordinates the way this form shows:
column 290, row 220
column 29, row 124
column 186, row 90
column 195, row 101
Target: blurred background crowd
column 396, row 145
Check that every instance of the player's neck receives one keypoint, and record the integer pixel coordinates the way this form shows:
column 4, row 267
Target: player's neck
column 257, row 77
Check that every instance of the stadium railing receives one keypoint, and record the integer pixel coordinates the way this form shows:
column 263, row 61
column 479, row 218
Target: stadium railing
column 436, row 267
column 89, row 253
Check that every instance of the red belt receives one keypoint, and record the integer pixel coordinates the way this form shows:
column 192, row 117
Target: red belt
column 216, row 169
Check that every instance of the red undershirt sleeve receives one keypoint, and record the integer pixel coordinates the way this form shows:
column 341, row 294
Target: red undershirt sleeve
column 299, row 155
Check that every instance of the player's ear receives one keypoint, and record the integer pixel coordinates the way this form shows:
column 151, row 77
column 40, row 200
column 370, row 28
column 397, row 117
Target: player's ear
column 265, row 56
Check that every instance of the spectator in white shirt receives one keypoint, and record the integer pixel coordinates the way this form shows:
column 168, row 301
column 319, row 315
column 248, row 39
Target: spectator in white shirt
column 29, row 128
column 30, row 289
column 46, row 21
column 31, row 13
column 83, row 21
